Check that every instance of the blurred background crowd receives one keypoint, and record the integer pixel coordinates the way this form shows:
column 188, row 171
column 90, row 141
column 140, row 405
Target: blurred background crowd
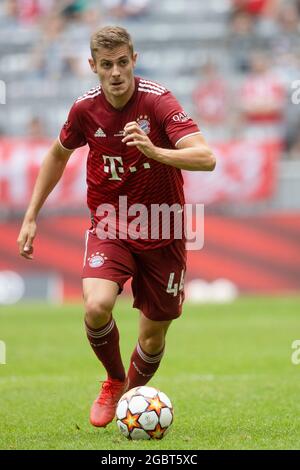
column 234, row 65
column 230, row 62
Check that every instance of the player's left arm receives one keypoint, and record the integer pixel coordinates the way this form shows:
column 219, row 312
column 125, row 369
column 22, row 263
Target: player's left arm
column 192, row 152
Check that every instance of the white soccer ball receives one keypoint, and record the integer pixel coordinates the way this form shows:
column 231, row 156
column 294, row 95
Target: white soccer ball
column 144, row 413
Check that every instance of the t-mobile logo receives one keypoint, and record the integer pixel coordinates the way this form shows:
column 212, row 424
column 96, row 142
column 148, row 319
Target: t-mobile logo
column 111, row 168
column 115, row 167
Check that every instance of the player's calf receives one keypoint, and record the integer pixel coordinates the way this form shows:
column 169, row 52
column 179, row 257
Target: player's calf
column 142, row 366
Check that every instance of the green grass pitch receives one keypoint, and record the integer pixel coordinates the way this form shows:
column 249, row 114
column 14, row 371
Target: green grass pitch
column 227, row 369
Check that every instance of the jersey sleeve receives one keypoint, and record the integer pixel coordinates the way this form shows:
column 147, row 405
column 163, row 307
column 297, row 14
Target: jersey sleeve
column 71, row 135
column 176, row 123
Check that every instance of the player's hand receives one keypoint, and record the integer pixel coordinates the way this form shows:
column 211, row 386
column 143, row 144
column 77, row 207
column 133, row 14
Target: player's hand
column 25, row 239
column 134, row 136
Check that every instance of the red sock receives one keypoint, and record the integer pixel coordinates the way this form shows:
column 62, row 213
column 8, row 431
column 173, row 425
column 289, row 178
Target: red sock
column 105, row 343
column 142, row 367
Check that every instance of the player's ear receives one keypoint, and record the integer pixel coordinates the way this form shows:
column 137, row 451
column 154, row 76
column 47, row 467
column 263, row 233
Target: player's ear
column 134, row 58
column 92, row 65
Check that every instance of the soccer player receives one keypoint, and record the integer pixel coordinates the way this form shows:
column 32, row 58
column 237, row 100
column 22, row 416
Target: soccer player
column 139, row 139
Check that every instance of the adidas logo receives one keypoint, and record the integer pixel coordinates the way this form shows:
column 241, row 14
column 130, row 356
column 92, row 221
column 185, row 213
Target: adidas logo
column 100, row 133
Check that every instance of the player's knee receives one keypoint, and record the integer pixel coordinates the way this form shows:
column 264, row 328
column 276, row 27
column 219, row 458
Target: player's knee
column 152, row 344
column 97, row 312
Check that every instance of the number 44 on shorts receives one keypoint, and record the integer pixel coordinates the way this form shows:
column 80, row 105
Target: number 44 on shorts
column 175, row 288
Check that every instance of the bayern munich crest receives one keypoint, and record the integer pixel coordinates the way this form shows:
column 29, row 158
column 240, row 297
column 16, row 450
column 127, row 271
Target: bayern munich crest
column 144, row 123
column 96, row 260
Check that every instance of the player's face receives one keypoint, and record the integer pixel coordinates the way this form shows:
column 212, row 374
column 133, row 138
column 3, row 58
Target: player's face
column 115, row 69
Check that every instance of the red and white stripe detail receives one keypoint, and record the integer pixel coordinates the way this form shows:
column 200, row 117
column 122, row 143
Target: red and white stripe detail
column 90, row 94
column 148, row 86
column 150, row 82
column 149, row 359
column 103, row 332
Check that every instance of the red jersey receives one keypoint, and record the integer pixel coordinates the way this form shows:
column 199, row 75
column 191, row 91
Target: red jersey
column 113, row 168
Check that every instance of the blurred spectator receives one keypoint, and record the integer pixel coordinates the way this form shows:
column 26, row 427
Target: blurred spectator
column 48, row 58
column 241, row 23
column 80, row 27
column 74, row 9
column 211, row 99
column 10, row 13
column 287, row 66
column 242, row 39
column 287, row 38
column 263, row 15
column 288, row 18
column 26, row 11
column 82, row 19
column 35, row 129
column 262, row 100
column 32, row 10
column 256, row 7
column 126, row 8
column 63, row 49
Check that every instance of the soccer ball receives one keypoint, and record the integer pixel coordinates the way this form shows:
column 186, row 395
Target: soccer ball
column 144, row 413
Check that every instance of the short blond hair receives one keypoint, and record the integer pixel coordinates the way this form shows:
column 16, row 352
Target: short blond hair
column 110, row 37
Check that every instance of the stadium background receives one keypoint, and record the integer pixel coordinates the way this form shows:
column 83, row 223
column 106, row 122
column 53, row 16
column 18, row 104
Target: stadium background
column 232, row 370
column 232, row 67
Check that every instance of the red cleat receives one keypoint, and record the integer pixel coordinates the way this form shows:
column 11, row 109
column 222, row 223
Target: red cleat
column 104, row 407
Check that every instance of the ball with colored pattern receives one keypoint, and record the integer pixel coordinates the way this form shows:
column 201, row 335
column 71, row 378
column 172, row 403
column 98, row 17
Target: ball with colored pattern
column 144, row 413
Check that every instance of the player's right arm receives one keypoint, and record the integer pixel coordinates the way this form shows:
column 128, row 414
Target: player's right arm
column 50, row 173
